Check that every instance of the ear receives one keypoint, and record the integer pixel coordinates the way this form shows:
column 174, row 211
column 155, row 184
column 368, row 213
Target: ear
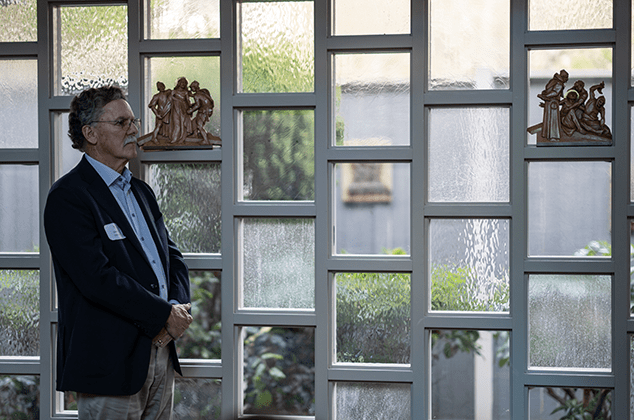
column 89, row 134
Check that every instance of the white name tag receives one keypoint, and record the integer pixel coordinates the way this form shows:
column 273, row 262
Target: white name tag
column 113, row 232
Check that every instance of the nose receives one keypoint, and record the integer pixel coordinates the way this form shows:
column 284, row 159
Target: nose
column 132, row 128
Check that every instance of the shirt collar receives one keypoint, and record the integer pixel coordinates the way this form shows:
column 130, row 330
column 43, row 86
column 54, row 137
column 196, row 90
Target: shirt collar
column 108, row 174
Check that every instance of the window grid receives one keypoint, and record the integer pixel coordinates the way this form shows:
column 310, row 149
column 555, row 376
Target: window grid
column 622, row 210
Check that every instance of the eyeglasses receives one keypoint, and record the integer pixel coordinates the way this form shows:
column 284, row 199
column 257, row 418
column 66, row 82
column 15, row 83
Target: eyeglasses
column 123, row 123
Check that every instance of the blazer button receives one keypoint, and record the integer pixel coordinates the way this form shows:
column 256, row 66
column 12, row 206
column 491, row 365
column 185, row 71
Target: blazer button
column 153, row 286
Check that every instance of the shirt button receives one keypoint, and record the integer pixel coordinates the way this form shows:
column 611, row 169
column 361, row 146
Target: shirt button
column 142, row 238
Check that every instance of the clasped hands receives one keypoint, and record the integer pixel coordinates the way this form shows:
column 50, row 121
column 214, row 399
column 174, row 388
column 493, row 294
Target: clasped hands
column 176, row 325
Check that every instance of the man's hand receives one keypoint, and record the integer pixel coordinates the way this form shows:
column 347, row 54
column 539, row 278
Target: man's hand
column 178, row 320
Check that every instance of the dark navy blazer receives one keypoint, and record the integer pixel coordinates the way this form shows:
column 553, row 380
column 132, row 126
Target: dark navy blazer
column 109, row 304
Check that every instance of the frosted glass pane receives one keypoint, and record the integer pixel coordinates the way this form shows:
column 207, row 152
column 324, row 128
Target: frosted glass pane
column 19, row 313
column 568, row 207
column 189, row 198
column 65, row 157
column 204, row 70
column 586, row 403
column 278, row 155
column 18, row 20
column 278, row 263
column 469, row 45
column 18, row 108
column 19, row 397
column 19, row 212
column 546, row 15
column 370, row 17
column 631, row 153
column 373, row 401
column 475, row 366
column 631, row 376
column 92, row 49
column 372, row 208
column 371, row 97
column 469, row 260
column 279, row 371
column 469, row 154
column 277, row 46
column 591, row 66
column 373, row 317
column 183, row 19
column 203, row 340
column 569, row 321
column 197, row 399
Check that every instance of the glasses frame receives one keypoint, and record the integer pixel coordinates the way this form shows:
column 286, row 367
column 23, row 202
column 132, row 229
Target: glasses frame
column 121, row 123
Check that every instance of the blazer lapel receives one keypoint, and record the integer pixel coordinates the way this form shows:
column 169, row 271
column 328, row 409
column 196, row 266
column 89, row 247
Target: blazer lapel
column 102, row 195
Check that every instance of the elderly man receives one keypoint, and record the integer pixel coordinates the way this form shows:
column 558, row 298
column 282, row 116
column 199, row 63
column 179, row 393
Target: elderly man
column 123, row 286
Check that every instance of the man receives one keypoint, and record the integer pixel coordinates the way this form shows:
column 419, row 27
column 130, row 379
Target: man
column 204, row 104
column 161, row 107
column 552, row 96
column 121, row 281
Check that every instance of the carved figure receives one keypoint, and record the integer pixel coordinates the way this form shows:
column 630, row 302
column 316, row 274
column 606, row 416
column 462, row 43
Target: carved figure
column 578, row 117
column 161, row 106
column 203, row 106
column 594, row 106
column 182, row 123
column 181, row 115
column 551, row 95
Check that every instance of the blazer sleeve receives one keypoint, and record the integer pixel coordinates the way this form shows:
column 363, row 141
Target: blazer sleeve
column 73, row 226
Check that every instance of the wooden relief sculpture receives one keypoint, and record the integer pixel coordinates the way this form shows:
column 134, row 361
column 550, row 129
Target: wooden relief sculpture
column 181, row 114
column 572, row 117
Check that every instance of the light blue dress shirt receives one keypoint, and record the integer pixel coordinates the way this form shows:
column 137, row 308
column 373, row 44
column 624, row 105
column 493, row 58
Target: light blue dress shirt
column 119, row 185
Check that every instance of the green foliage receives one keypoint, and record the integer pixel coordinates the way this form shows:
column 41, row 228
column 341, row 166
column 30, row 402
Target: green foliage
column 19, row 312
column 279, row 371
column 19, row 397
column 373, row 317
column 279, row 155
column 595, row 405
column 279, row 68
column 202, row 340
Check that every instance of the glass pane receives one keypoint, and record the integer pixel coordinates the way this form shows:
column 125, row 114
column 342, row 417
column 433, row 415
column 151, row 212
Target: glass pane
column 277, row 46
column 586, row 69
column 18, row 20
column 547, row 15
column 371, row 99
column 586, row 403
column 203, row 340
column 373, row 401
column 204, row 70
column 469, row 45
column 19, row 397
column 18, row 109
column 469, row 154
column 92, row 49
column 279, row 371
column 183, row 19
column 570, row 322
column 197, row 399
column 631, row 153
column 278, row 263
column 373, row 317
column 278, row 155
column 189, row 197
column 19, row 313
column 19, row 215
column 474, row 365
column 469, row 260
column 372, row 208
column 378, row 17
column 65, row 157
column 561, row 196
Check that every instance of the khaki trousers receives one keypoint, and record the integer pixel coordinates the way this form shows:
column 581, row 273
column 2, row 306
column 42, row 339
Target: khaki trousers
column 153, row 402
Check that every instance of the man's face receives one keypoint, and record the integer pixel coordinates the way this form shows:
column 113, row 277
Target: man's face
column 109, row 139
